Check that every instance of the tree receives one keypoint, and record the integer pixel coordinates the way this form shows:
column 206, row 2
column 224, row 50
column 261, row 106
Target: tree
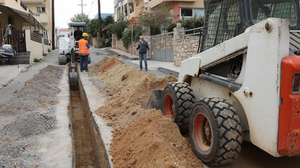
column 108, row 21
column 156, row 19
column 80, row 18
column 118, row 27
column 92, row 27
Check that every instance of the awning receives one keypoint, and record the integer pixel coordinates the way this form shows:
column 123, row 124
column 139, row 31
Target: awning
column 26, row 15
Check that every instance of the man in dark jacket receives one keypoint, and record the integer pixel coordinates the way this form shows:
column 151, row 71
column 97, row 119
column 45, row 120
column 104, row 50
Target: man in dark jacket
column 78, row 34
column 143, row 47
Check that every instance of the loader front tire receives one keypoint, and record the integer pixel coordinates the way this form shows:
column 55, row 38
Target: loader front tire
column 215, row 131
column 178, row 100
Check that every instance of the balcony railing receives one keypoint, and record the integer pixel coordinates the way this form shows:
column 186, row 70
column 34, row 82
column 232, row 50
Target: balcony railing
column 23, row 5
column 30, row 12
column 34, row 36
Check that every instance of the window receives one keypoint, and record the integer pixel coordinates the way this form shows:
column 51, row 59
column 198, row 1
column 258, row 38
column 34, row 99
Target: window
column 131, row 8
column 262, row 9
column 199, row 12
column 41, row 9
column 188, row 13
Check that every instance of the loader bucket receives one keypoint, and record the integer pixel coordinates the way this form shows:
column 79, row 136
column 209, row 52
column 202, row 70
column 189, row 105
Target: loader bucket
column 155, row 100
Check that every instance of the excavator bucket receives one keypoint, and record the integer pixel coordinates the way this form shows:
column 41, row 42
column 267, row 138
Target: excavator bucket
column 73, row 74
column 155, row 100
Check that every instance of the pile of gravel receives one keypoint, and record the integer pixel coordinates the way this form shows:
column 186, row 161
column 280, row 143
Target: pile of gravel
column 28, row 115
column 41, row 89
column 29, row 124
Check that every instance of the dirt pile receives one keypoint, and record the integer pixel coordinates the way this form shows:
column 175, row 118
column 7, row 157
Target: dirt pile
column 142, row 137
column 29, row 114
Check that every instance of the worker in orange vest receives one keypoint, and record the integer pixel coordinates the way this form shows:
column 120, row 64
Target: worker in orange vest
column 84, row 52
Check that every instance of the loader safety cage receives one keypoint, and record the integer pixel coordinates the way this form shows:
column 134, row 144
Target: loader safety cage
column 226, row 19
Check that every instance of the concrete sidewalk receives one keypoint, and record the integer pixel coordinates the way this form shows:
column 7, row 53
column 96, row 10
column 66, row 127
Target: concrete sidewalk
column 124, row 54
column 166, row 67
column 9, row 72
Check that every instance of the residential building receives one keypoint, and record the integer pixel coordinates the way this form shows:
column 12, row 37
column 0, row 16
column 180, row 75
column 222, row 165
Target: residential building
column 42, row 11
column 128, row 8
column 26, row 34
column 178, row 8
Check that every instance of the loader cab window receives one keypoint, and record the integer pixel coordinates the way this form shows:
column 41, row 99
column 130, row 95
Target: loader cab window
column 263, row 9
column 222, row 23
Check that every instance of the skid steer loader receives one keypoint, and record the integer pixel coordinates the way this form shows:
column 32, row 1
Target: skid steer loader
column 244, row 83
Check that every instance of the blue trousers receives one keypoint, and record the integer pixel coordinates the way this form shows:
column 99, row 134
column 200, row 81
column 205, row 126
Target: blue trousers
column 143, row 56
column 84, row 60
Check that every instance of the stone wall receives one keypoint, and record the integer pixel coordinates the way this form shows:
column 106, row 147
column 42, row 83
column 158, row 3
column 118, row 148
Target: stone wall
column 184, row 46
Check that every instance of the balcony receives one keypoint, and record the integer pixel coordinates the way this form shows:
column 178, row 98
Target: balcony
column 18, row 4
column 41, row 17
column 34, row 1
column 153, row 3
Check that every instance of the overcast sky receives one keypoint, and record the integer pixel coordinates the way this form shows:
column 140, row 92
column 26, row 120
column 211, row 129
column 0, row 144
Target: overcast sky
column 65, row 9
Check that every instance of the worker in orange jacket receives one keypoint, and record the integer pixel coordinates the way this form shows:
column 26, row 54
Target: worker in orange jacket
column 84, row 52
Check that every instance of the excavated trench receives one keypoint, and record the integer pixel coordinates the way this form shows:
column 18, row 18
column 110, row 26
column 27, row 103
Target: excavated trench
column 88, row 147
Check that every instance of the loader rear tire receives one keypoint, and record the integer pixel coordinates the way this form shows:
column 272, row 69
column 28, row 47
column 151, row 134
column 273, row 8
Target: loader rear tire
column 215, row 132
column 178, row 100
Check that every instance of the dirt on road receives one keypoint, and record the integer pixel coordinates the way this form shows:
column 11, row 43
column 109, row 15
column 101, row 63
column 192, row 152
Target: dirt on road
column 142, row 137
column 28, row 115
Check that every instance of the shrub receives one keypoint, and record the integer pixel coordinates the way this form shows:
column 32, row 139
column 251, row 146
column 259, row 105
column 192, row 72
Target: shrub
column 37, row 60
column 137, row 32
column 49, row 50
column 192, row 23
column 118, row 27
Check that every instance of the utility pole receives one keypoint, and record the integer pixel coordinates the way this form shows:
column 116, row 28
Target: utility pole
column 99, row 21
column 82, row 5
column 53, row 26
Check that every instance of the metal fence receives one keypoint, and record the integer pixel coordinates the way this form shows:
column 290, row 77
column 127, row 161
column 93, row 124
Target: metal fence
column 193, row 32
column 16, row 40
column 34, row 36
column 162, row 47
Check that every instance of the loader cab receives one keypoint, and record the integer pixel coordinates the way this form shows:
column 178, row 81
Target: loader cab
column 74, row 26
column 226, row 19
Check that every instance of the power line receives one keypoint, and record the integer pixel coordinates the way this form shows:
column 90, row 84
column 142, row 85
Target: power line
column 91, row 7
column 66, row 10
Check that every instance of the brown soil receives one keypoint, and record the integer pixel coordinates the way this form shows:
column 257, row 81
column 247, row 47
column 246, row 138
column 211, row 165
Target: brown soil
column 85, row 154
column 142, row 137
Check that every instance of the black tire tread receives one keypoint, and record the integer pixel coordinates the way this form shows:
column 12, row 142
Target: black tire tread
column 185, row 100
column 229, row 131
